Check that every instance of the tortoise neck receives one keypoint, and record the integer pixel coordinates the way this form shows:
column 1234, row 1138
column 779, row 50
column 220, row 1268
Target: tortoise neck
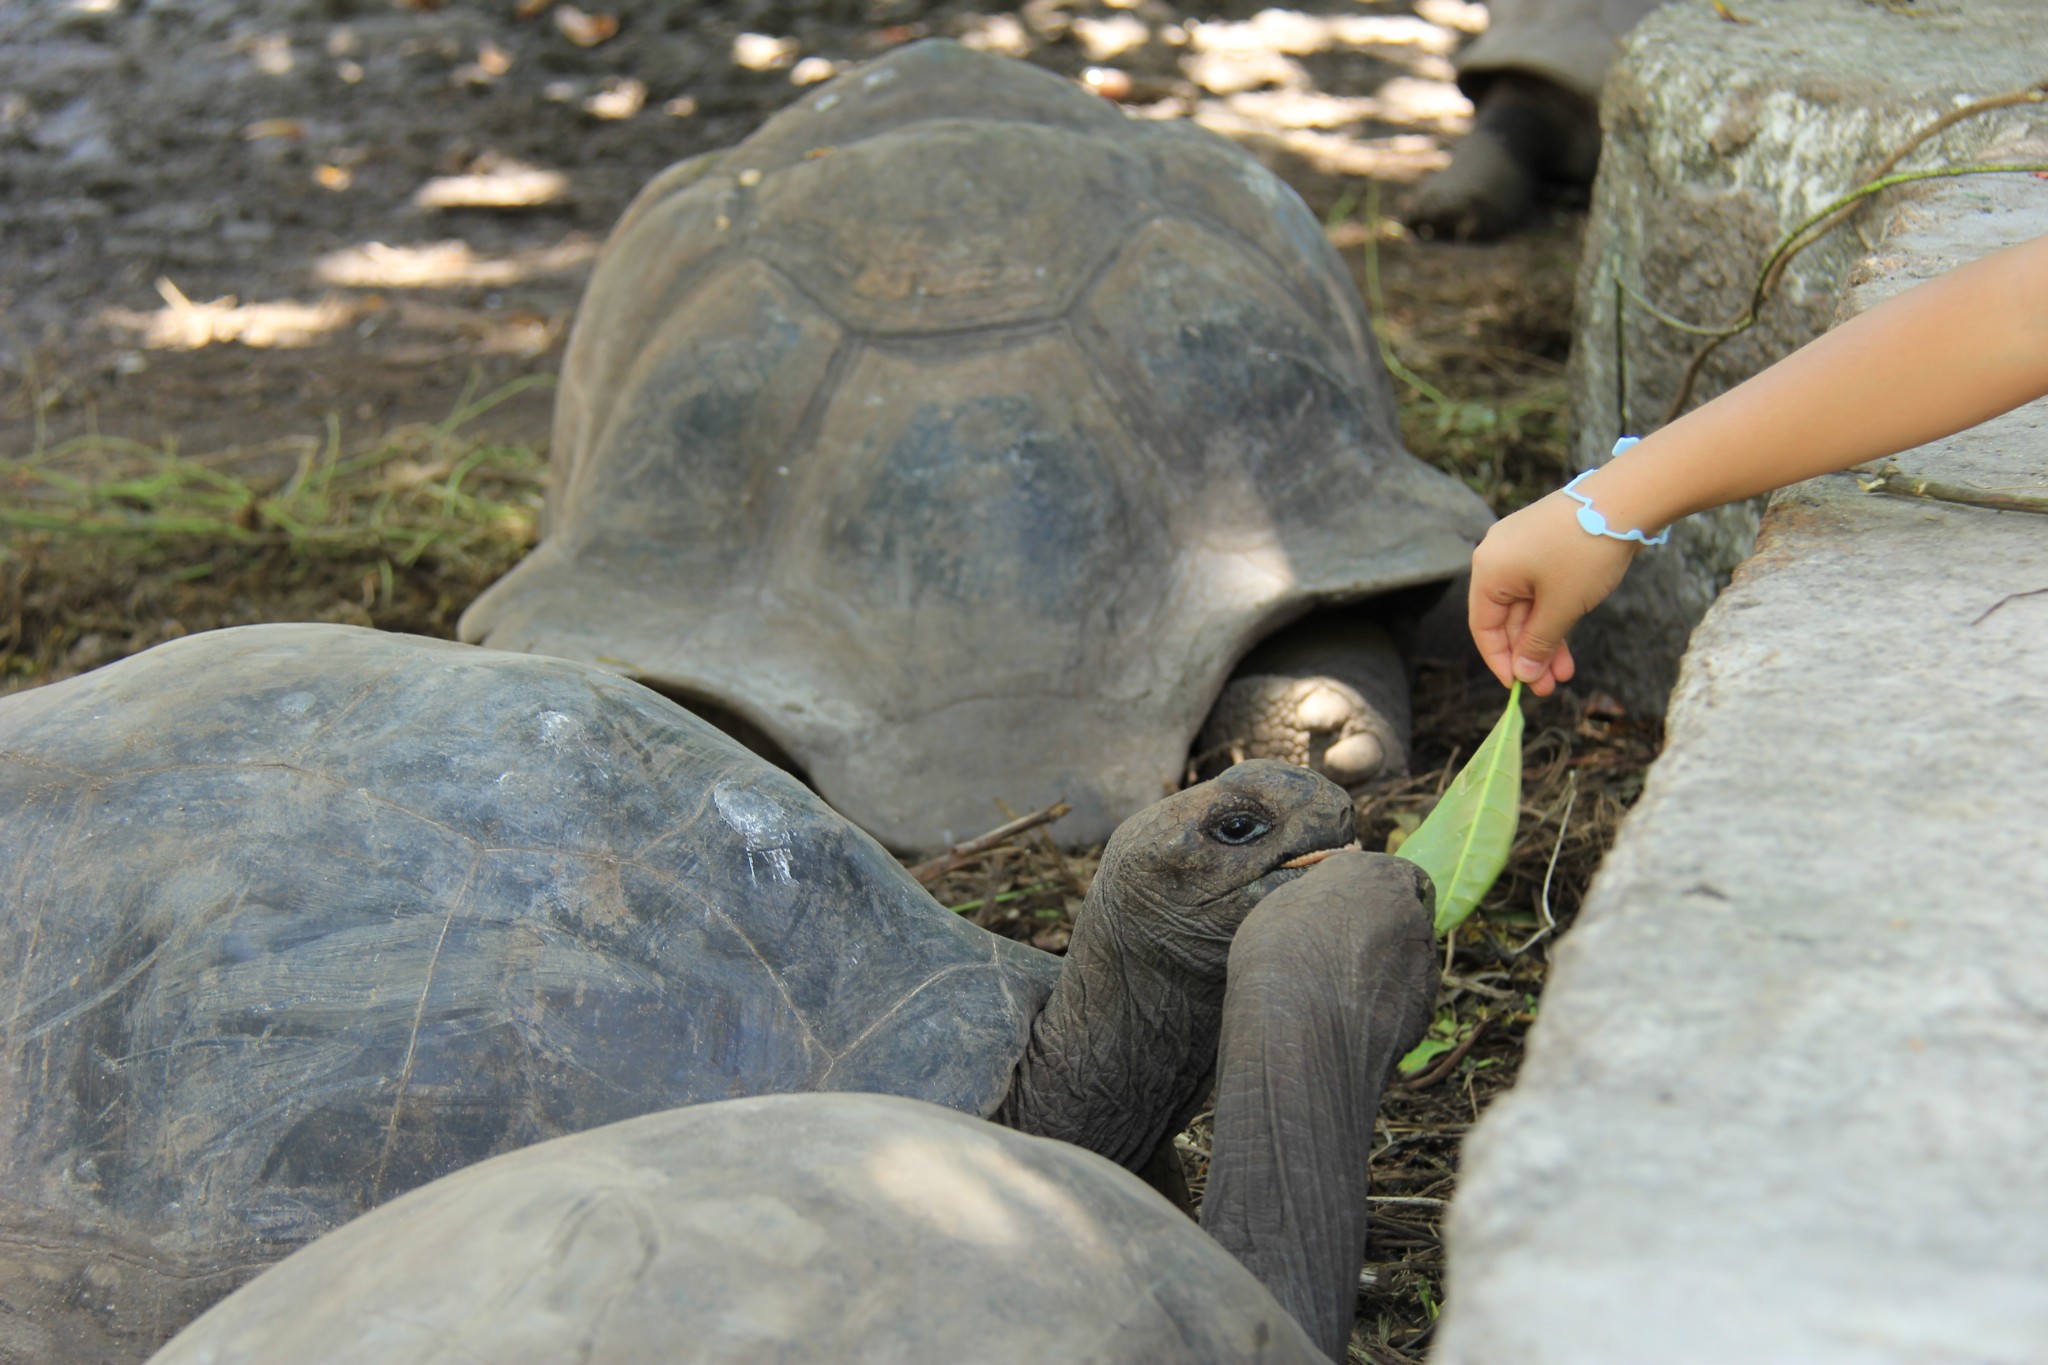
column 1120, row 1057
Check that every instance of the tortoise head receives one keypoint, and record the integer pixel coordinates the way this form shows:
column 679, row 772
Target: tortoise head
column 1179, row 877
column 1120, row 1055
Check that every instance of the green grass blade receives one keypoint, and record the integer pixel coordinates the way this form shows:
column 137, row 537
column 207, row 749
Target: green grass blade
column 1464, row 843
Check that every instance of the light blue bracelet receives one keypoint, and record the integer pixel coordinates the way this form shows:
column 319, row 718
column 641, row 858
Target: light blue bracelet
column 1590, row 519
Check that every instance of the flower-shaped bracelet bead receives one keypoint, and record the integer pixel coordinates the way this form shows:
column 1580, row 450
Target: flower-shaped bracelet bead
column 1590, row 519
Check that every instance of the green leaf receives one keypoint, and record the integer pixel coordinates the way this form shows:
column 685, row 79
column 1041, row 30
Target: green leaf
column 1464, row 843
column 1423, row 1053
column 1446, row 1031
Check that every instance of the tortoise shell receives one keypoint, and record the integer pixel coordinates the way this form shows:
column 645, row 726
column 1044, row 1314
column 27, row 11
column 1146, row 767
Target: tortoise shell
column 300, row 917
column 825, row 1228
column 957, row 433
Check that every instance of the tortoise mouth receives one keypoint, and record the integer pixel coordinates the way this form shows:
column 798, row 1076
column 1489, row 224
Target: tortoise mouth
column 1311, row 859
column 1283, row 872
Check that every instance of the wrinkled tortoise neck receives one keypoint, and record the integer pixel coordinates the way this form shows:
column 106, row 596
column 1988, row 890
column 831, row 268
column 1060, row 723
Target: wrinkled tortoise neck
column 1120, row 1057
column 1332, row 980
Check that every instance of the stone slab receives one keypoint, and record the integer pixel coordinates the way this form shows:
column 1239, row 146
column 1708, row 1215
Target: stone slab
column 1720, row 138
column 1788, row 1097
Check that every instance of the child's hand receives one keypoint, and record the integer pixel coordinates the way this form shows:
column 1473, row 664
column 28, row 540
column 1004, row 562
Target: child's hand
column 1536, row 573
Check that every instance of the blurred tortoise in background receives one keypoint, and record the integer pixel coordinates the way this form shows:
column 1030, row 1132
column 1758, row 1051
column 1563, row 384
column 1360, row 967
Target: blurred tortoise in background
column 1534, row 78
column 297, row 918
column 953, row 437
column 840, row 1228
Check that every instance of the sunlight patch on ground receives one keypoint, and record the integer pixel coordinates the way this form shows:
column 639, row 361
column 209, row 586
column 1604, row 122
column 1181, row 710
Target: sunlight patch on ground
column 1002, row 33
column 1405, row 157
column 1288, row 31
column 184, row 325
column 762, row 52
column 1434, row 105
column 505, row 185
column 270, row 53
column 1251, row 80
column 432, row 265
column 1466, row 16
column 621, row 97
column 1104, row 40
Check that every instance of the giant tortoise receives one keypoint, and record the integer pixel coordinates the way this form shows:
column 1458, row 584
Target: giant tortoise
column 300, row 917
column 954, row 436
column 843, row 1228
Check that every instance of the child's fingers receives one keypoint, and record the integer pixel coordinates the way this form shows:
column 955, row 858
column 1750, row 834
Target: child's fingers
column 1490, row 626
column 1540, row 639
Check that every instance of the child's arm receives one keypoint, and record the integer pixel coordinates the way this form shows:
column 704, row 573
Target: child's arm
column 1940, row 357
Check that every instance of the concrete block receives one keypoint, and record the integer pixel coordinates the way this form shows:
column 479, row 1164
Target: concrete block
column 1721, row 137
column 1787, row 1097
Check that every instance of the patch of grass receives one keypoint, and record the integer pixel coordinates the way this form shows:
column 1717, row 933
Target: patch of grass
column 1475, row 339
column 112, row 546
column 1511, row 449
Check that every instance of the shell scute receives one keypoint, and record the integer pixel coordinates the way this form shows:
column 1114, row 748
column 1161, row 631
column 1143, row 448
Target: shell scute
column 1235, row 382
column 1206, row 180
column 731, row 379
column 941, row 227
column 944, row 489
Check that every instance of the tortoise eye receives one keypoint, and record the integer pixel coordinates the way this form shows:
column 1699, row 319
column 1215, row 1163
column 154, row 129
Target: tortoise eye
column 1238, row 827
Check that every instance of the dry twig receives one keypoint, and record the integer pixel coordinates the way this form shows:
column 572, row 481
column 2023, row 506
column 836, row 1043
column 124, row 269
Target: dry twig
column 1894, row 482
column 960, row 855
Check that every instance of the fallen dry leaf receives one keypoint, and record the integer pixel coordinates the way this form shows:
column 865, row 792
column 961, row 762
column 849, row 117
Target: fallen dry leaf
column 621, row 98
column 274, row 127
column 585, row 30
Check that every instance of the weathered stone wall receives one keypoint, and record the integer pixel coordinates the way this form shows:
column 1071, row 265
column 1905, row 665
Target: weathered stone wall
column 1721, row 138
column 1787, row 1096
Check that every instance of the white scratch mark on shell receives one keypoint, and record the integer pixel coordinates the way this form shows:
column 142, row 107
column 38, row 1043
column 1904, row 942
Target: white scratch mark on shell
column 757, row 820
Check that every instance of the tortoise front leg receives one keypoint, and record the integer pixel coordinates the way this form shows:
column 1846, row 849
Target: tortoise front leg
column 1332, row 979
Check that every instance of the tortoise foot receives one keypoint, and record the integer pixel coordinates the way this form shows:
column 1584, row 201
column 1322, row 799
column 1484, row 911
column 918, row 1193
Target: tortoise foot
column 1529, row 135
column 1486, row 192
column 1329, row 693
column 1318, row 722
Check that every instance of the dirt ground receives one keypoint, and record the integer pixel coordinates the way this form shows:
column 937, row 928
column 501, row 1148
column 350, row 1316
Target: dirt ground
column 256, row 250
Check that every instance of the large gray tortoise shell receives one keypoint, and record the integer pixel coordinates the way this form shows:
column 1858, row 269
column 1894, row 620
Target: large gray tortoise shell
column 849, row 1229
column 295, row 918
column 959, row 433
